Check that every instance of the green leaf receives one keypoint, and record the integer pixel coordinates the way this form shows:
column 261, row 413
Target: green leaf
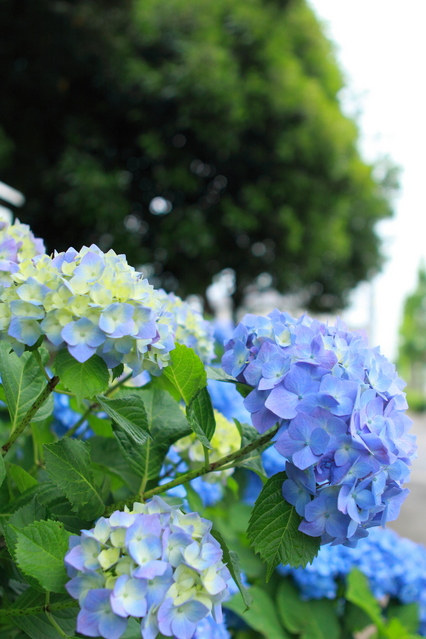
column 129, row 415
column 117, row 371
column 23, row 382
column 2, row 470
column 408, row 615
column 312, row 619
column 252, row 461
column 167, row 423
column 231, row 559
column 68, row 465
column 261, row 616
column 219, row 375
column 201, row 417
column 243, row 389
column 84, row 380
column 359, row 593
column 38, row 626
column 40, row 551
column 21, row 518
column 107, row 452
column 22, row 479
column 186, row 372
column 273, row 529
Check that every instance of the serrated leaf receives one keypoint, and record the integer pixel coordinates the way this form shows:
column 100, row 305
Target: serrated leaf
column 69, row 467
column 107, row 452
column 129, row 415
column 273, row 529
column 23, row 382
column 34, row 511
column 359, row 593
column 85, row 379
column 167, row 423
column 230, row 558
column 186, row 372
column 201, row 417
column 261, row 616
column 22, row 479
column 38, row 626
column 219, row 375
column 117, row 371
column 40, row 550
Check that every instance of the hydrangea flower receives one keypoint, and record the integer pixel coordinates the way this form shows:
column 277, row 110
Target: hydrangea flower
column 17, row 243
column 154, row 563
column 191, row 328
column 340, row 407
column 395, row 567
column 89, row 302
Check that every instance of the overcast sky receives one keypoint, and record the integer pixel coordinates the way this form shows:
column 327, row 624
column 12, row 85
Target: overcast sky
column 381, row 47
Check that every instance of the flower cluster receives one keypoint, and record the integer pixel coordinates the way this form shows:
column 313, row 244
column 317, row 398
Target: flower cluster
column 89, row 302
column 17, row 243
column 343, row 429
column 154, row 563
column 395, row 567
column 191, row 328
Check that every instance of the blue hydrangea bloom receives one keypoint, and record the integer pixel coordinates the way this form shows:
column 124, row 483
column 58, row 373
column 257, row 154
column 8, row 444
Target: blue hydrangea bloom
column 395, row 567
column 340, row 407
column 156, row 564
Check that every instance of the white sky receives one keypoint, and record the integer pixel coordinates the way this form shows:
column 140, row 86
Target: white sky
column 381, row 46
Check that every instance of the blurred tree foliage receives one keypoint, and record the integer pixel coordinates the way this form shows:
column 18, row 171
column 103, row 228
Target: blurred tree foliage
column 412, row 350
column 227, row 110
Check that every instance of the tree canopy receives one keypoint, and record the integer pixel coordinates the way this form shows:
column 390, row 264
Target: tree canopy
column 193, row 135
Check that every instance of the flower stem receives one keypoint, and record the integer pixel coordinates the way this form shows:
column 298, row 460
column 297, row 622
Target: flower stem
column 198, row 472
column 49, row 388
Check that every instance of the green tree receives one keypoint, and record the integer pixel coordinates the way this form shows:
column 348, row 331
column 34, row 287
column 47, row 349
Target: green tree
column 412, row 348
column 226, row 110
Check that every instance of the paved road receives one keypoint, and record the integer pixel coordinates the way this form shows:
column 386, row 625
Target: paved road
column 412, row 519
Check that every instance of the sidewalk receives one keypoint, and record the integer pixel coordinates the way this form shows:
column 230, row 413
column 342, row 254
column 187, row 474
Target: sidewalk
column 412, row 519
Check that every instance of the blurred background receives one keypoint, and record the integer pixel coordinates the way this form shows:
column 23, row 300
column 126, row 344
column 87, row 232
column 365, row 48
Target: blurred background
column 252, row 154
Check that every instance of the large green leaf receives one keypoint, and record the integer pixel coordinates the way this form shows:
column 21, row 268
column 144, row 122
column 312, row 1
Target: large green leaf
column 84, row 380
column 38, row 626
column 359, row 593
column 21, row 518
column 230, row 558
column 40, row 550
column 273, row 529
column 167, row 423
column 22, row 382
column 69, row 467
column 312, row 619
column 129, row 415
column 201, row 417
column 262, row 615
column 186, row 372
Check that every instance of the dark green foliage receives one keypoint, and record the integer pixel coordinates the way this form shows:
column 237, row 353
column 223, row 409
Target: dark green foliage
column 226, row 109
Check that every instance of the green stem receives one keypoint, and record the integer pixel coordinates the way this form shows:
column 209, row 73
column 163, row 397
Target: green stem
column 51, row 618
column 40, row 363
column 36, row 610
column 198, row 472
column 206, row 456
column 50, row 386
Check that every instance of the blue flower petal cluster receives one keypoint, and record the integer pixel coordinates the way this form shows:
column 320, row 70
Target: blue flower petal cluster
column 17, row 243
column 395, row 567
column 89, row 302
column 156, row 564
column 192, row 329
column 343, row 429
